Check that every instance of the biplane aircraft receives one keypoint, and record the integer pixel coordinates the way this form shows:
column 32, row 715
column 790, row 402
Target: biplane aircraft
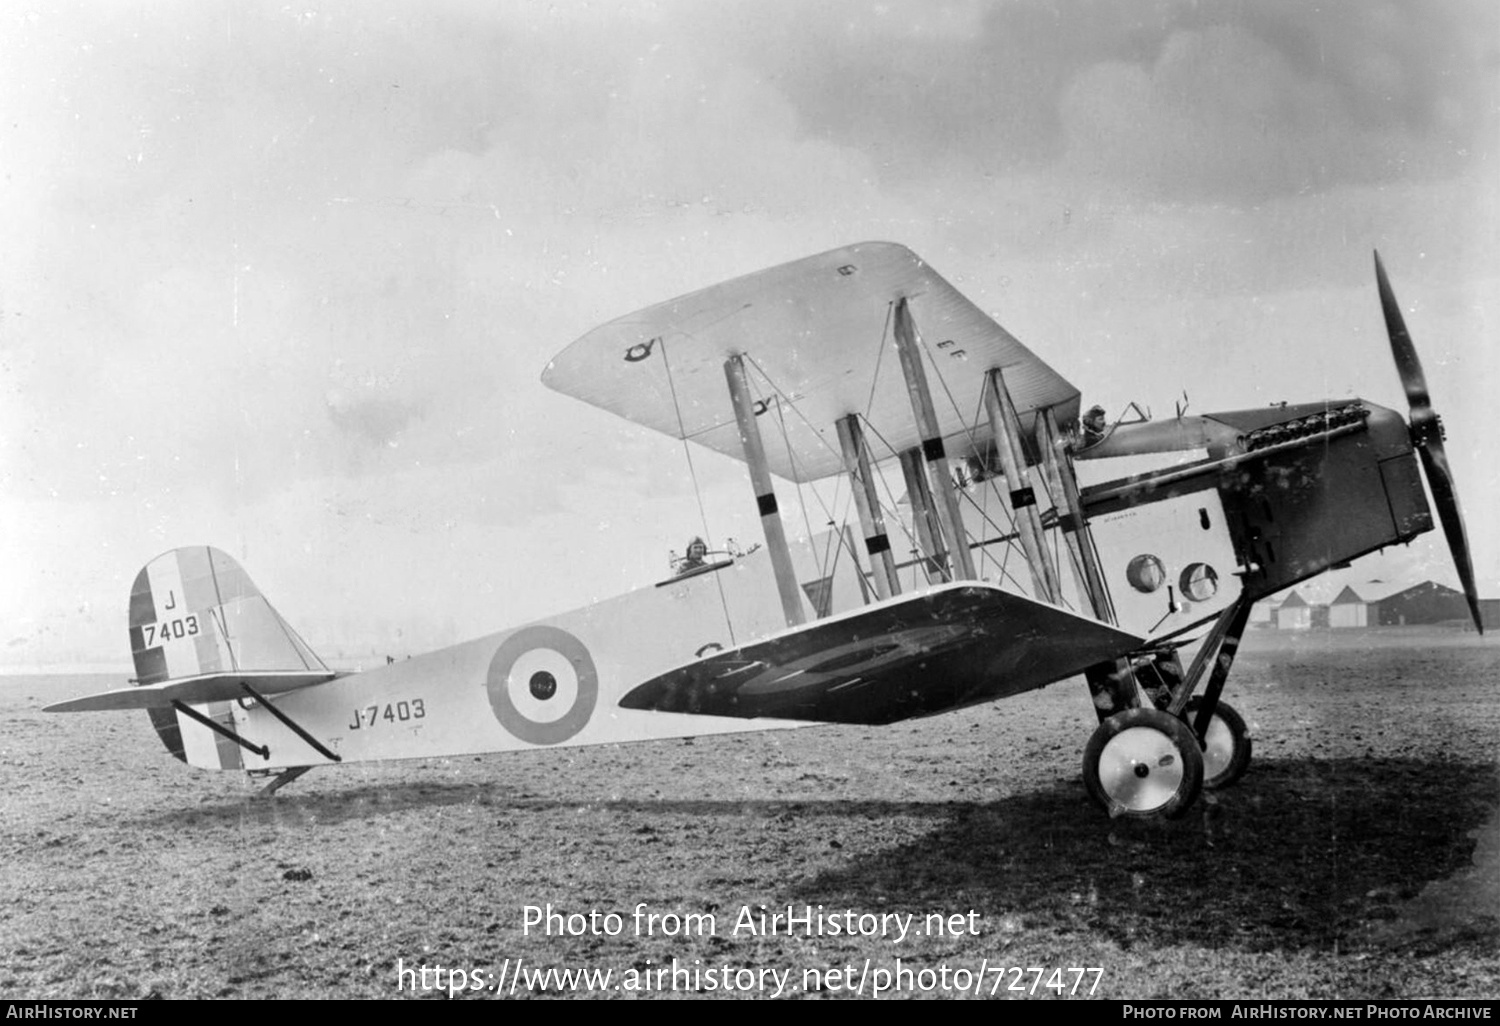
column 1031, row 542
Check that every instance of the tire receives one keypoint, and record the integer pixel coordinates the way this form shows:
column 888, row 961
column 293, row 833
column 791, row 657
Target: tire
column 1226, row 749
column 1143, row 764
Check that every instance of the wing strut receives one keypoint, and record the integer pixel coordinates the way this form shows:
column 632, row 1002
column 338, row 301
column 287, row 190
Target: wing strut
column 1057, row 468
column 1020, row 499
column 909, row 349
column 867, row 503
column 287, row 720
column 934, row 558
column 1114, row 685
column 218, row 728
column 765, row 492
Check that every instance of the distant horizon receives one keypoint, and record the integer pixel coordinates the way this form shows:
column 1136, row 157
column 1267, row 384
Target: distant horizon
column 361, row 657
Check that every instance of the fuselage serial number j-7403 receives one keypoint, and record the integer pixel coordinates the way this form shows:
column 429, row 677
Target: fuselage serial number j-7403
column 391, row 712
column 168, row 630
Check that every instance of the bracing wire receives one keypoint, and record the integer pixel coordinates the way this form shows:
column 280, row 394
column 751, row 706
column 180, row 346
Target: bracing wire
column 885, row 333
column 969, row 432
column 1011, row 532
column 811, row 426
column 791, row 460
column 782, row 394
column 783, row 402
column 987, row 518
column 954, row 403
column 893, row 510
column 697, row 491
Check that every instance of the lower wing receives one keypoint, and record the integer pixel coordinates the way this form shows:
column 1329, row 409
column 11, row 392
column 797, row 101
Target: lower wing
column 953, row 646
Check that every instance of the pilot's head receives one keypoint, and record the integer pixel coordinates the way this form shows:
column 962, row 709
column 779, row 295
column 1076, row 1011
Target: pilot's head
column 696, row 549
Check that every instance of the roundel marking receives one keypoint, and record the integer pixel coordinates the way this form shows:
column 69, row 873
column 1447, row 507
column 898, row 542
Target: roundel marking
column 542, row 685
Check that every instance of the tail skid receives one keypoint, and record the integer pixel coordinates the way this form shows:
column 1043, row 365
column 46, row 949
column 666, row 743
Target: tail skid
column 278, row 780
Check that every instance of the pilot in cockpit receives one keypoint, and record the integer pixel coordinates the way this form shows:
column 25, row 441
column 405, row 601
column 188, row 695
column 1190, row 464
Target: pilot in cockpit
column 697, row 555
column 1094, row 423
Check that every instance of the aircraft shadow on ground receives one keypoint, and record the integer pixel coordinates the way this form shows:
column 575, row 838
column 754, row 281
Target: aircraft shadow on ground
column 368, row 802
column 1302, row 853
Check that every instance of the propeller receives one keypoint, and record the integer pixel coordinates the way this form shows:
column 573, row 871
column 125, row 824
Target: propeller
column 1427, row 436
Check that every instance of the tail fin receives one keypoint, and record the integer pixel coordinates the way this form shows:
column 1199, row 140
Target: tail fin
column 194, row 611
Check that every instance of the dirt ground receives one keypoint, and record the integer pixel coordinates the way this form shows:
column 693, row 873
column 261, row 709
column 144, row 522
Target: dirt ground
column 1359, row 858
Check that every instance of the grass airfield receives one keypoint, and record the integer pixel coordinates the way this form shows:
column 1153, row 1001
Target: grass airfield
column 1358, row 858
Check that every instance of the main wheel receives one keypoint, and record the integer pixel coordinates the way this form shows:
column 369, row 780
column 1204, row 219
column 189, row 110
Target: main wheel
column 1143, row 763
column 1226, row 746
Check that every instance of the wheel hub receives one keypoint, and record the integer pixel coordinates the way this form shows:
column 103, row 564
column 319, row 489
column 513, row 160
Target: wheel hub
column 1139, row 769
column 1143, row 762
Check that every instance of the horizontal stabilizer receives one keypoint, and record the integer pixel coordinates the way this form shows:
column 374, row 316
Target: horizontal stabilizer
column 200, row 631
column 213, row 687
column 956, row 645
column 813, row 334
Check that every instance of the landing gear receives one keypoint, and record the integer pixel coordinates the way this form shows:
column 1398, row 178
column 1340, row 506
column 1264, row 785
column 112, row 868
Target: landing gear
column 1143, row 763
column 1226, row 744
column 1148, row 761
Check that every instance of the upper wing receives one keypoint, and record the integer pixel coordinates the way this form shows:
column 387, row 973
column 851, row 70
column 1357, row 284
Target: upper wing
column 813, row 333
column 949, row 647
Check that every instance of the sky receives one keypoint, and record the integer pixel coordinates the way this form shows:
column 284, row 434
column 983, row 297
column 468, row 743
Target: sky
column 282, row 278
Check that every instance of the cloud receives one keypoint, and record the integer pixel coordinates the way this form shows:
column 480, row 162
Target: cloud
column 1235, row 102
column 262, row 252
column 290, row 241
column 1222, row 114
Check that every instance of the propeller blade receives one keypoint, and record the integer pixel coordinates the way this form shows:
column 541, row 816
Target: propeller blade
column 1408, row 366
column 1445, row 496
column 1427, row 435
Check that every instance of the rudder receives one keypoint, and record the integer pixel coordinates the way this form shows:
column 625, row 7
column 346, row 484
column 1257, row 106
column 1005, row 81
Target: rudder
column 194, row 611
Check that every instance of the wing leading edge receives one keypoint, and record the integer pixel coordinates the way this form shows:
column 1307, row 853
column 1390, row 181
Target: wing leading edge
column 953, row 646
column 812, row 333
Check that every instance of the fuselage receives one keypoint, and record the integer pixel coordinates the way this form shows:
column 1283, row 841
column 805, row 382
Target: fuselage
column 1303, row 488
column 1186, row 517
